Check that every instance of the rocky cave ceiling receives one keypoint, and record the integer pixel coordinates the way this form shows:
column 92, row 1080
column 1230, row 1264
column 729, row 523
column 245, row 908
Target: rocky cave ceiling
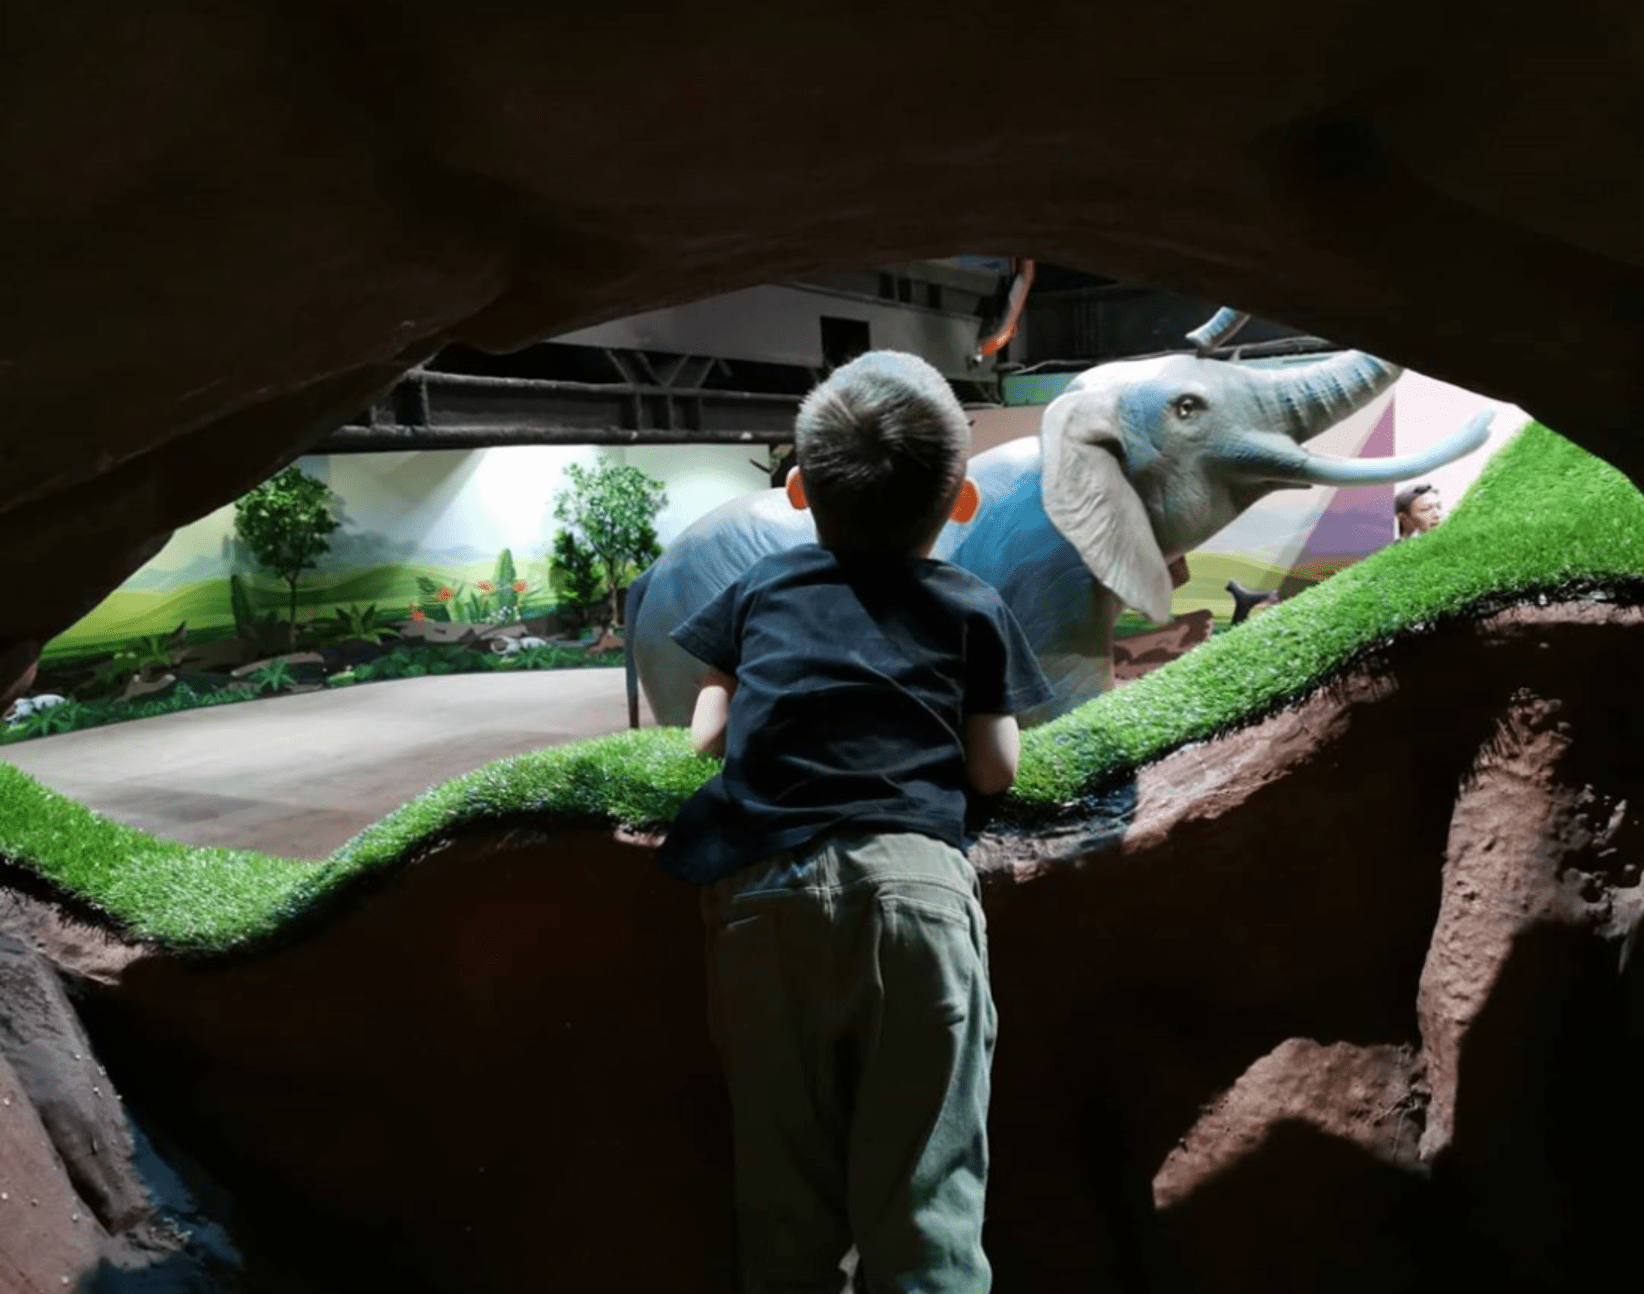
column 225, row 232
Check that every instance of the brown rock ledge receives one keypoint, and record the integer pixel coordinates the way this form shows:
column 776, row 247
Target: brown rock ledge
column 1332, row 1004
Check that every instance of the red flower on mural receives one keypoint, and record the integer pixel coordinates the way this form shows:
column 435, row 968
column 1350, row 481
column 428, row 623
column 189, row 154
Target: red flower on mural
column 485, row 586
column 446, row 594
column 519, row 586
column 416, row 612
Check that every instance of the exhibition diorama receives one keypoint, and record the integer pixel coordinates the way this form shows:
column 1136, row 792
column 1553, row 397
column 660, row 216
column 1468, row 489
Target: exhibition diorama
column 388, row 389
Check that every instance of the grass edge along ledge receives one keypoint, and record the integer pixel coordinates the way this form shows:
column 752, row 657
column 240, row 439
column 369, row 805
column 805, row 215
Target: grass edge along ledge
column 1543, row 515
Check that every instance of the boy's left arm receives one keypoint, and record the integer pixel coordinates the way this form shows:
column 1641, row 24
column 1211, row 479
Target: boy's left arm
column 712, row 714
column 993, row 745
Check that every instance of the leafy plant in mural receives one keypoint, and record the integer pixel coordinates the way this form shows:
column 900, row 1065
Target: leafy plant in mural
column 261, row 632
column 142, row 659
column 501, row 599
column 350, row 624
column 57, row 718
column 648, row 550
column 611, row 510
column 417, row 660
column 573, row 572
column 439, row 601
column 273, row 678
column 285, row 523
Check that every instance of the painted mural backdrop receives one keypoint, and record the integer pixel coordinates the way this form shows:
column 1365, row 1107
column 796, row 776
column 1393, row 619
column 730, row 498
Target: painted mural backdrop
column 412, row 524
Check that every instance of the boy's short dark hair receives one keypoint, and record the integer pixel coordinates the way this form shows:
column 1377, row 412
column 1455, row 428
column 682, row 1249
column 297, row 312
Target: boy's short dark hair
column 882, row 444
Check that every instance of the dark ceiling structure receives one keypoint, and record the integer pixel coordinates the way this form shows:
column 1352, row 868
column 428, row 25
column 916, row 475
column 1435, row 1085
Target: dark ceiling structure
column 557, row 392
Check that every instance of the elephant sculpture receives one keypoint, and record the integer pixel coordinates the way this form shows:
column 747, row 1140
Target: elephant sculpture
column 1137, row 463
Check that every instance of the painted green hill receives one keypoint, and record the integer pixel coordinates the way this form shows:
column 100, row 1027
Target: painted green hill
column 1544, row 516
column 132, row 613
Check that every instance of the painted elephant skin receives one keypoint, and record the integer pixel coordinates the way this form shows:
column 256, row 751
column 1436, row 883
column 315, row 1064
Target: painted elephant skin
column 1137, row 463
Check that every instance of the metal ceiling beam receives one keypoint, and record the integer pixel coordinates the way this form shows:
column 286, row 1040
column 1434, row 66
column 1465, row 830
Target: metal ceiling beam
column 389, row 437
column 429, row 409
column 659, row 401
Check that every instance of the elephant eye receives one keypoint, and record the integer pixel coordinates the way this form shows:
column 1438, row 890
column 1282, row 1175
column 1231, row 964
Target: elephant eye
column 1187, row 405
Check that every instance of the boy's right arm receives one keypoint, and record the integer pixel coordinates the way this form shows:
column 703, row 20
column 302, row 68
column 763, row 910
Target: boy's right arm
column 993, row 744
column 712, row 714
column 712, row 636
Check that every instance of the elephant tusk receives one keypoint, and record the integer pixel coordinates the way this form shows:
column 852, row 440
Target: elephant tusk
column 1377, row 471
column 1282, row 460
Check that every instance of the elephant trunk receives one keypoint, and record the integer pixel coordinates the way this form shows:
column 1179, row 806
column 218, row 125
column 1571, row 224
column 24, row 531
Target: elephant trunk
column 1302, row 402
column 1274, row 458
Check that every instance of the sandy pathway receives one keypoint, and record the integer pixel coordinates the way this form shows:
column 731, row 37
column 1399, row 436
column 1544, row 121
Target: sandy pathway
column 298, row 775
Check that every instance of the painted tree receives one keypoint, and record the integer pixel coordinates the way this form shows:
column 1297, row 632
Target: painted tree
column 611, row 510
column 284, row 523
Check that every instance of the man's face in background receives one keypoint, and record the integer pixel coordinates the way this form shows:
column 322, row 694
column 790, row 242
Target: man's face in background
column 1425, row 512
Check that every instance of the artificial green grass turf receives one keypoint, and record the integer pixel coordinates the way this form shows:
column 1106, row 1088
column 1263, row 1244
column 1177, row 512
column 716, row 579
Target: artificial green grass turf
column 1543, row 515
column 178, row 894
column 213, row 899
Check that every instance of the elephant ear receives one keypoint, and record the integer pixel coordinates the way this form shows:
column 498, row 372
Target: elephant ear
column 1089, row 499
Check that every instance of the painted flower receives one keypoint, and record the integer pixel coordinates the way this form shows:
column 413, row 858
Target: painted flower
column 485, row 586
column 416, row 612
column 446, row 593
column 519, row 586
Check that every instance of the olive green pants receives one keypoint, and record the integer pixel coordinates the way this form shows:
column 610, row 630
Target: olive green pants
column 848, row 996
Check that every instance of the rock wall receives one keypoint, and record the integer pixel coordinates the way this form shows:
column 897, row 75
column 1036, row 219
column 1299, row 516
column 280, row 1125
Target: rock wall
column 226, row 232
column 85, row 1201
column 1335, row 1002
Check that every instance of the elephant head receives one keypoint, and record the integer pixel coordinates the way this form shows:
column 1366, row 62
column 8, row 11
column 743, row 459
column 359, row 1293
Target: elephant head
column 1144, row 460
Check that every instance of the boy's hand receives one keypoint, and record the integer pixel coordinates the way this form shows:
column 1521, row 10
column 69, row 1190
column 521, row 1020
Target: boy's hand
column 993, row 744
column 712, row 714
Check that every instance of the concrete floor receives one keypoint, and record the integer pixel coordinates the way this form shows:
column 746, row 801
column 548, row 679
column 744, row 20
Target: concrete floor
column 299, row 775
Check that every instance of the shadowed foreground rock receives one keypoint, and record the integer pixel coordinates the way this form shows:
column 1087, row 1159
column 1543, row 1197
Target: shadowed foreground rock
column 85, row 1201
column 1332, row 1003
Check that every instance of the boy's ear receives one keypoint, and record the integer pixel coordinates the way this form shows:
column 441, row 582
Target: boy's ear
column 796, row 490
column 970, row 498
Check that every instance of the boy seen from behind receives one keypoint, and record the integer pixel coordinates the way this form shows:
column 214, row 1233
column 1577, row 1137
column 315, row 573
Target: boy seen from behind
column 861, row 692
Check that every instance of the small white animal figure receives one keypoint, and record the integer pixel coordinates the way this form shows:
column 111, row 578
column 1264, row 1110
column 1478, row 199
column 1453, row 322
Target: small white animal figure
column 24, row 706
column 504, row 646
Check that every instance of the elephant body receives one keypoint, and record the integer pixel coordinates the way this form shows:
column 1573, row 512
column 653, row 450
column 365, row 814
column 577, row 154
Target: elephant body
column 1011, row 543
column 1137, row 463
column 697, row 565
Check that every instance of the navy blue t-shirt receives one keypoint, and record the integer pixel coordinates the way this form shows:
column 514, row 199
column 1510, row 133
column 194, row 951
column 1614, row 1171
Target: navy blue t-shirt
column 854, row 679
